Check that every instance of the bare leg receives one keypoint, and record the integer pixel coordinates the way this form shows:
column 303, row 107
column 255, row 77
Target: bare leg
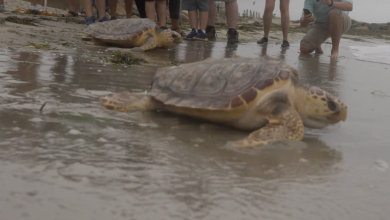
column 162, row 13
column 212, row 13
column 284, row 10
column 88, row 8
column 72, row 8
column 335, row 30
column 175, row 24
column 129, row 8
column 204, row 15
column 231, row 14
column 267, row 16
column 319, row 50
column 101, row 5
column 150, row 10
column 113, row 4
column 72, row 5
column 306, row 49
column 193, row 19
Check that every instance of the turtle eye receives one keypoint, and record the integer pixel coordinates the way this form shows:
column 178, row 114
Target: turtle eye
column 174, row 36
column 332, row 106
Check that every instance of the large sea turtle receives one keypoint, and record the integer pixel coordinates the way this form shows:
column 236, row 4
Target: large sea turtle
column 140, row 33
column 262, row 95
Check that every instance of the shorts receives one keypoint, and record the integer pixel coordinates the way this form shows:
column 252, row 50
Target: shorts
column 196, row 5
column 319, row 32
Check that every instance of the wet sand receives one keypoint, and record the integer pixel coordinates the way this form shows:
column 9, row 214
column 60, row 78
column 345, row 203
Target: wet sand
column 77, row 160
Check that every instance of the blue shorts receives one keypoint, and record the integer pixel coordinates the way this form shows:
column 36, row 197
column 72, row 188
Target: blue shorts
column 196, row 5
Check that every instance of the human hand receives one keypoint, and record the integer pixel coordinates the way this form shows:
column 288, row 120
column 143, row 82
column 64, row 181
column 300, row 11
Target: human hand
column 327, row 2
column 309, row 18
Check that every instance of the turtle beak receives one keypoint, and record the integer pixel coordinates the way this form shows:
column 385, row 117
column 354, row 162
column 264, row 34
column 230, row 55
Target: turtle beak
column 343, row 113
column 340, row 110
column 177, row 39
column 339, row 115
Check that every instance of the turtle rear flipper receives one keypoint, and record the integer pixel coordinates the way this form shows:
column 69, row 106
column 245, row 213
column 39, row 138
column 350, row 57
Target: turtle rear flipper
column 126, row 101
column 287, row 125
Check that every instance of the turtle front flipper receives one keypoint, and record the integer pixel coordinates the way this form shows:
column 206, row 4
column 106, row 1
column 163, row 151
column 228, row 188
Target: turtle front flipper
column 287, row 125
column 149, row 44
column 126, row 101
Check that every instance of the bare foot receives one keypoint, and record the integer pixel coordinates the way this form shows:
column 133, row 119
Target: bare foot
column 178, row 30
column 319, row 50
column 335, row 54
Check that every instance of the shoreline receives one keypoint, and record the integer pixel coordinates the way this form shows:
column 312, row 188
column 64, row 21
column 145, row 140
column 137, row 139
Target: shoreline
column 64, row 34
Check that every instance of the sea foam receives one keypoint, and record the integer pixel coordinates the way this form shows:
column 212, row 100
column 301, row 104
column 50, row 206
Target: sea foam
column 376, row 54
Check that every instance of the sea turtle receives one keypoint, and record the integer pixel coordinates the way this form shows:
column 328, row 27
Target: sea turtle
column 262, row 95
column 140, row 33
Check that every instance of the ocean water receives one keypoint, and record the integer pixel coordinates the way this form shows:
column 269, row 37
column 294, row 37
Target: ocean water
column 377, row 54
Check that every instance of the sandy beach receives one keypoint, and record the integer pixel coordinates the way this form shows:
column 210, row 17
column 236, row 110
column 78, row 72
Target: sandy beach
column 64, row 156
column 60, row 33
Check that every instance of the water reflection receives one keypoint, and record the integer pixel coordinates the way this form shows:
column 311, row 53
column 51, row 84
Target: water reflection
column 321, row 71
column 198, row 50
column 230, row 50
column 63, row 68
column 160, row 165
column 25, row 70
column 280, row 56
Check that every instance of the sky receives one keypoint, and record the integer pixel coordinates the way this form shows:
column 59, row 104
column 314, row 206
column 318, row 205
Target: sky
column 371, row 11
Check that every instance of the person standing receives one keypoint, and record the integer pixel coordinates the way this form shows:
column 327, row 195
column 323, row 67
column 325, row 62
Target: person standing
column 174, row 15
column 150, row 7
column 2, row 8
column 90, row 19
column 198, row 11
column 72, row 12
column 285, row 20
column 231, row 12
column 128, row 6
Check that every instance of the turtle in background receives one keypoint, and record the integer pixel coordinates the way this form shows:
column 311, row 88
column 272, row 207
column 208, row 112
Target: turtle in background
column 262, row 95
column 140, row 33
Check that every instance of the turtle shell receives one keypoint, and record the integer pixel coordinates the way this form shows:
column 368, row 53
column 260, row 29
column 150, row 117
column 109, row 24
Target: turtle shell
column 120, row 29
column 220, row 84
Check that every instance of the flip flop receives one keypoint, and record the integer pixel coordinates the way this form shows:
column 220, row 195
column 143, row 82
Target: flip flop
column 178, row 30
column 71, row 14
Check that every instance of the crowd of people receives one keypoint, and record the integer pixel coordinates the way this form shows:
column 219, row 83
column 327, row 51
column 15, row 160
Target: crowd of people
column 329, row 18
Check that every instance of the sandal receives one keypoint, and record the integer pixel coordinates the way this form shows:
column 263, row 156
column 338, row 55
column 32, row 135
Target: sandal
column 178, row 30
column 70, row 14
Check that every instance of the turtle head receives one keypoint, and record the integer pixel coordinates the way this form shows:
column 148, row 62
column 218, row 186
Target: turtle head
column 321, row 109
column 169, row 38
